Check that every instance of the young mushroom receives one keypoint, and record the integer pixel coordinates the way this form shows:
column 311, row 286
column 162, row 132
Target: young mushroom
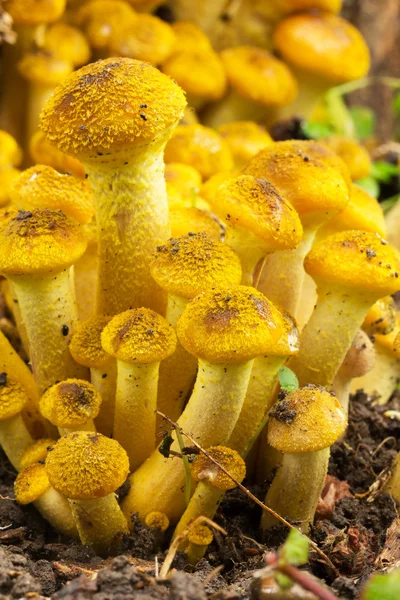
column 14, row 436
column 245, row 139
column 381, row 318
column 134, row 110
column 303, row 426
column 87, row 468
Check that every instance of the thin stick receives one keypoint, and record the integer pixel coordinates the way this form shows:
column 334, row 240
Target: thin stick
column 188, row 482
column 247, row 492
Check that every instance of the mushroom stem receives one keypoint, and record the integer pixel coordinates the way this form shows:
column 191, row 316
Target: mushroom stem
column 381, row 381
column 14, row 439
column 55, row 508
column 38, row 96
column 100, row 522
column 85, row 271
column 88, row 426
column 105, row 380
column 296, row 488
column 49, row 313
column 247, row 248
column 132, row 219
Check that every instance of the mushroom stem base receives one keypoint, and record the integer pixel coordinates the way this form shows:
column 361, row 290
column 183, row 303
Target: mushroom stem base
column 14, row 439
column 105, row 381
column 55, row 508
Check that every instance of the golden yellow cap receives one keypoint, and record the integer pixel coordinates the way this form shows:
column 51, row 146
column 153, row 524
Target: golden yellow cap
column 245, row 139
column 210, row 187
column 323, row 44
column 381, row 317
column 85, row 345
column 189, row 37
column 185, row 178
column 10, row 152
column 67, row 43
column 70, row 403
column 131, row 103
column 157, row 520
column 44, row 68
column 191, row 264
column 99, row 19
column 255, row 204
column 39, row 241
column 44, row 153
column 139, row 336
column 388, row 341
column 36, row 452
column 352, row 153
column 185, row 220
column 357, row 259
column 35, row 12
column 84, row 465
column 43, row 187
column 200, row 147
column 258, row 76
column 200, row 535
column 12, row 397
column 7, row 178
column 306, row 420
column 204, row 469
column 31, row 483
column 230, row 325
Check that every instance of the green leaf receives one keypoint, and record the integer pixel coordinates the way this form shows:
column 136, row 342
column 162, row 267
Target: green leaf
column 370, row 185
column 389, row 203
column 284, row 582
column 384, row 171
column 339, row 115
column 396, row 105
column 364, row 121
column 295, row 550
column 383, row 587
column 288, row 379
column 314, row 130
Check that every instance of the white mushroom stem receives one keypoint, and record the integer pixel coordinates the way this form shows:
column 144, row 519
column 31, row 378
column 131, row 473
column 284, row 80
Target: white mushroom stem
column 14, row 439
column 55, row 508
column 105, row 381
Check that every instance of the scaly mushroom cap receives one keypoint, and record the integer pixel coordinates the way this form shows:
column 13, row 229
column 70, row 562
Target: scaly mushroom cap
column 258, row 76
column 85, row 345
column 100, row 18
column 31, row 483
column 200, row 147
column 84, row 465
column 70, row 403
column 356, row 259
column 306, row 173
column 157, row 520
column 255, row 203
column 231, row 325
column 44, row 153
column 245, row 139
column 199, row 72
column 39, row 241
column 37, row 452
column 381, row 318
column 306, row 420
column 193, row 263
column 67, row 43
column 10, row 152
column 355, row 156
column 139, row 336
column 184, row 178
column 12, row 397
column 189, row 37
column 7, row 178
column 35, row 12
column 43, row 68
column 360, row 357
column 111, row 104
column 189, row 219
column 43, row 187
column 323, row 44
column 204, row 469
column 200, row 535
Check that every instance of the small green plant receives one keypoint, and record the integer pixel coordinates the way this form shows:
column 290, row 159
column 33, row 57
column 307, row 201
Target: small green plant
column 383, row 587
column 287, row 379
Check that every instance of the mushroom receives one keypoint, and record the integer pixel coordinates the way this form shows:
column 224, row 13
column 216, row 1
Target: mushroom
column 44, row 153
column 71, row 405
column 189, row 219
column 139, row 339
column 245, row 139
column 355, row 155
column 87, row 468
column 67, row 43
column 10, row 152
column 226, row 329
column 184, row 267
column 32, row 486
column 134, row 108
column 36, row 251
column 184, row 178
column 303, row 426
column 157, row 520
column 189, row 36
column 36, row 452
column 381, row 317
column 86, row 349
column 199, row 537
column 7, row 178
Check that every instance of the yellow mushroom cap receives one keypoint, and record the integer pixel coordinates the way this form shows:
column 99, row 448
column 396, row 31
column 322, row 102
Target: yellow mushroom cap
column 10, row 152
column 381, row 317
column 84, row 465
column 186, row 179
column 356, row 259
column 200, row 147
column 43, row 187
column 306, row 420
column 67, row 43
column 189, row 37
column 388, row 341
column 200, row 535
column 204, row 469
column 39, row 241
column 360, row 357
column 100, row 18
column 258, row 76
column 306, row 173
column 44, row 68
column 36, row 452
column 35, row 12
column 333, row 6
column 31, row 483
column 189, row 219
column 255, row 203
column 193, row 263
column 145, row 37
column 355, row 156
column 43, row 152
column 139, row 336
column 245, row 139
column 70, row 403
column 111, row 104
column 157, row 520
column 85, row 345
column 12, row 397
column 199, row 72
column 7, row 178
column 230, row 325
column 323, row 44
column 210, row 187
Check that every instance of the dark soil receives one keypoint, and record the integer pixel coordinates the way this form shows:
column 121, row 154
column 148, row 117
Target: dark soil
column 352, row 529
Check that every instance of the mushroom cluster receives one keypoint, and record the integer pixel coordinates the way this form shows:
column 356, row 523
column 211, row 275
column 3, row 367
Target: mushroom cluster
column 155, row 262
